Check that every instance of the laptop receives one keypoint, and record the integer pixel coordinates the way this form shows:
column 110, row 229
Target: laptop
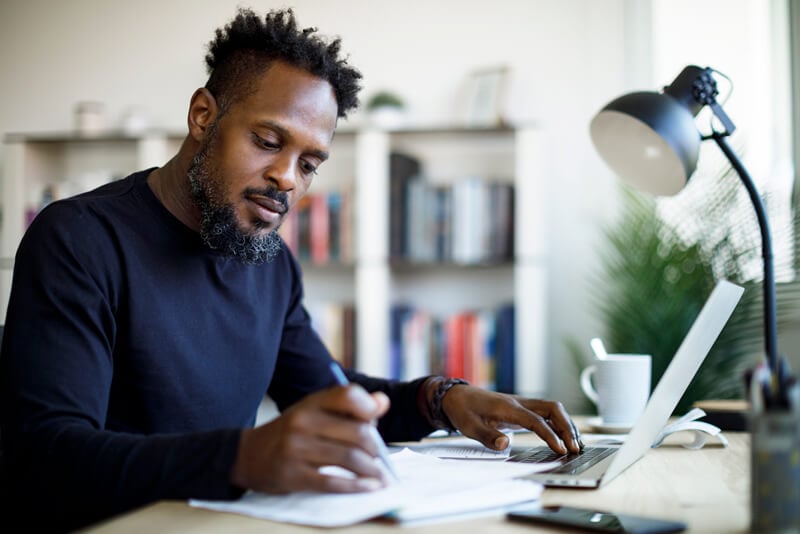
column 598, row 464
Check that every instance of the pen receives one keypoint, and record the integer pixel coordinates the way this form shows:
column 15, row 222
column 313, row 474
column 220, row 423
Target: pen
column 383, row 452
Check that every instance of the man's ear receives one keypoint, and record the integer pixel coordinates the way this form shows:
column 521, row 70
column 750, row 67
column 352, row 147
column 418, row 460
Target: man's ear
column 203, row 111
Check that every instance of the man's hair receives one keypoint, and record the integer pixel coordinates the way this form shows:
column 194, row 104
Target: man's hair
column 247, row 45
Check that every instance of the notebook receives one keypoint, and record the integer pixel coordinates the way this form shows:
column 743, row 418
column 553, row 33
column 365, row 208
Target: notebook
column 598, row 464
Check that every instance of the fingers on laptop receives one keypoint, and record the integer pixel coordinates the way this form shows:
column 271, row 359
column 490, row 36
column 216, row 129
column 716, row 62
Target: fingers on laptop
column 558, row 422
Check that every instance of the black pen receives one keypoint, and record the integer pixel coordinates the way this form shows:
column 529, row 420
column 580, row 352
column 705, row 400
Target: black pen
column 383, row 452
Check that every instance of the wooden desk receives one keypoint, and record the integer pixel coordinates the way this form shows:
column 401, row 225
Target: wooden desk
column 708, row 489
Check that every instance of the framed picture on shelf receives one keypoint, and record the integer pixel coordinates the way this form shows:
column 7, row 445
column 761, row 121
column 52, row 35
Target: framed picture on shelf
column 487, row 93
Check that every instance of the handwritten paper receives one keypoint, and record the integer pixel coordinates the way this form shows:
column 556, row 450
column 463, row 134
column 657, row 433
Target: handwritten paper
column 455, row 486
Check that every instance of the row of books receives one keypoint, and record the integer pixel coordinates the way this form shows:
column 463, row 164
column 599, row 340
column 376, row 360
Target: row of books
column 476, row 345
column 319, row 229
column 469, row 221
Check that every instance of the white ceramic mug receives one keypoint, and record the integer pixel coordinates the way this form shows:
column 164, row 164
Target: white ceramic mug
column 621, row 387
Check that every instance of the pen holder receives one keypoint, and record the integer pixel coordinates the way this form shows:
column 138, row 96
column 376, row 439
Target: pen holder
column 775, row 472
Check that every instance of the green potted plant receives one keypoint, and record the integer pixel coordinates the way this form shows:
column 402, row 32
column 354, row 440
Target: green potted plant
column 386, row 109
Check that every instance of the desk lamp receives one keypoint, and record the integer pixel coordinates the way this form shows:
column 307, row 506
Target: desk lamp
column 650, row 141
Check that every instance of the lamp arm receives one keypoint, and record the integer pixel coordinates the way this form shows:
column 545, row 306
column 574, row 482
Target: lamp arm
column 770, row 316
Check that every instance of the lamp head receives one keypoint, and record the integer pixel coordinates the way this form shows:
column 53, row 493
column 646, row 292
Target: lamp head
column 649, row 139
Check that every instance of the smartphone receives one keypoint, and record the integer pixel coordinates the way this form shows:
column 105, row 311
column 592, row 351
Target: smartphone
column 594, row 520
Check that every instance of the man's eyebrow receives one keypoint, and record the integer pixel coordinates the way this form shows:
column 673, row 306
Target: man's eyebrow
column 321, row 154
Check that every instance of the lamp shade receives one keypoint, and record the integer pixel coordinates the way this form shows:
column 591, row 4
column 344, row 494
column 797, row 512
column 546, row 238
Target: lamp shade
column 649, row 140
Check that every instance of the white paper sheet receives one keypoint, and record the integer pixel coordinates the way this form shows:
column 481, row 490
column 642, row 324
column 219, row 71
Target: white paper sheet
column 469, row 502
column 462, row 448
column 451, row 486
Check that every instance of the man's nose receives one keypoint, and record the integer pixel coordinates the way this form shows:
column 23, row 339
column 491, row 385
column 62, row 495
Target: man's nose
column 282, row 172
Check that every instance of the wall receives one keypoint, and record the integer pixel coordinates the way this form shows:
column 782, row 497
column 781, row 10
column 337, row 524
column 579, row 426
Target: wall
column 569, row 58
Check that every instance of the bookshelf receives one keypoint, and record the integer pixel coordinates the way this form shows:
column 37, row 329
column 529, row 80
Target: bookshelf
column 448, row 155
column 371, row 281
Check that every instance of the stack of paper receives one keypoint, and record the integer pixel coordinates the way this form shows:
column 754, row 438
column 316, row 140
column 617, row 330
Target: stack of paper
column 429, row 488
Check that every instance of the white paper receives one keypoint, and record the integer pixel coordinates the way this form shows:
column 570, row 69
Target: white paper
column 454, row 485
column 462, row 448
column 469, row 502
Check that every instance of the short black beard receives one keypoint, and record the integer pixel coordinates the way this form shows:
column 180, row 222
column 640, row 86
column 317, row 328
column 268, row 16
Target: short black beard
column 219, row 228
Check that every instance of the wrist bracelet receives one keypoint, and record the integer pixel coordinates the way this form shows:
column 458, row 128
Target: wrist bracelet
column 438, row 417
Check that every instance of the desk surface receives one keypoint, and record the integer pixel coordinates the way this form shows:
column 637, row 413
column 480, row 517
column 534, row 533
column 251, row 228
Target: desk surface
column 708, row 489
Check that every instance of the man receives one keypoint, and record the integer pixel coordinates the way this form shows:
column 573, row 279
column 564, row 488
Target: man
column 149, row 317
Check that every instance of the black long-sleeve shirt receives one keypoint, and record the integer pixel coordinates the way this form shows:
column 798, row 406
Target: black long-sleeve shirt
column 133, row 356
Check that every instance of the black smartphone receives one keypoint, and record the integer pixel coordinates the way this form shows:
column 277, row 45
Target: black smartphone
column 594, row 520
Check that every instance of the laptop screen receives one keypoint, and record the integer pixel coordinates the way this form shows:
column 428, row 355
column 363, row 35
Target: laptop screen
column 673, row 383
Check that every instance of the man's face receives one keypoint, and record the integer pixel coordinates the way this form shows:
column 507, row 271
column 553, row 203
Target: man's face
column 259, row 158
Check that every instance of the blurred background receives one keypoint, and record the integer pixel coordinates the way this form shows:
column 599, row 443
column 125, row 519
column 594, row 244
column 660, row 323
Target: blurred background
column 140, row 62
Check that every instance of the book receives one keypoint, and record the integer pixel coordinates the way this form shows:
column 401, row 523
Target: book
column 416, row 344
column 334, row 330
column 319, row 228
column 303, row 230
column 334, row 199
column 437, row 347
column 346, row 226
column 502, row 202
column 402, row 169
column 442, row 219
column 469, row 220
column 504, row 349
column 398, row 316
column 454, row 346
column 349, row 342
column 419, row 223
column 482, row 349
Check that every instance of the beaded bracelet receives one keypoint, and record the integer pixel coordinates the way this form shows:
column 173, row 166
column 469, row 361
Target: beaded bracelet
column 438, row 417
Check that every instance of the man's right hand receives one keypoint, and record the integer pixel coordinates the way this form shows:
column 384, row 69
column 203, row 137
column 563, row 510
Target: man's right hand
column 329, row 427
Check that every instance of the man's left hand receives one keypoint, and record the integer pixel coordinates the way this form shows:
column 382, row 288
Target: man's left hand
column 482, row 414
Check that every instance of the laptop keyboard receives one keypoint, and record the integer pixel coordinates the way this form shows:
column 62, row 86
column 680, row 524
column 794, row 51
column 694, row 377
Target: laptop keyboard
column 571, row 464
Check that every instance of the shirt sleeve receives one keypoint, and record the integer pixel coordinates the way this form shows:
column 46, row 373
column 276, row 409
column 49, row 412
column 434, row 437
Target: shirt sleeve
column 56, row 371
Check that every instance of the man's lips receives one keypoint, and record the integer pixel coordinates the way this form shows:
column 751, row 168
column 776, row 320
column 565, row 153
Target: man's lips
column 268, row 204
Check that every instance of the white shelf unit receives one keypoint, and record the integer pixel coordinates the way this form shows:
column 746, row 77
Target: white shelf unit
column 448, row 154
column 359, row 159
column 68, row 164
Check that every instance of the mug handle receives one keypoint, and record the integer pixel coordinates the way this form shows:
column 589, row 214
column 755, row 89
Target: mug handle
column 586, row 383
